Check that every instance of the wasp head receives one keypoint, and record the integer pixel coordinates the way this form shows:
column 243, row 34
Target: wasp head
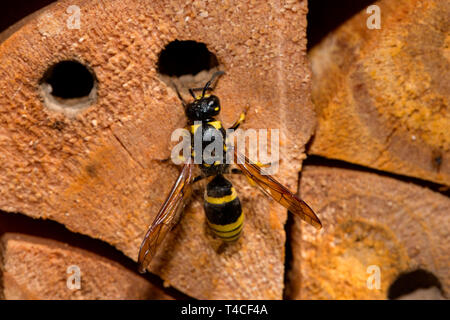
column 203, row 108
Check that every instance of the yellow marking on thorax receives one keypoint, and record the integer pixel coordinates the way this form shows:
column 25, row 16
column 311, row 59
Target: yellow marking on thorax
column 199, row 97
column 223, row 199
column 194, row 128
column 216, row 124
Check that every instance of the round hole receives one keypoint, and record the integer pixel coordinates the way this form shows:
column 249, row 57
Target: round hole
column 68, row 86
column 185, row 57
column 409, row 282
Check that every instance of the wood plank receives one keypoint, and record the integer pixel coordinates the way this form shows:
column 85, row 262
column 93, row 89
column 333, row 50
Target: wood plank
column 41, row 269
column 382, row 94
column 368, row 220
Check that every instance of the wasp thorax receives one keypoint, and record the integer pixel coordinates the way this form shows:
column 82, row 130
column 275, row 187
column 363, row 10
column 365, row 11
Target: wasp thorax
column 204, row 108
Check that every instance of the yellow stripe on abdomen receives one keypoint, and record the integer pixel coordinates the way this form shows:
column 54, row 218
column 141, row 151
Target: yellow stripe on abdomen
column 221, row 200
column 228, row 232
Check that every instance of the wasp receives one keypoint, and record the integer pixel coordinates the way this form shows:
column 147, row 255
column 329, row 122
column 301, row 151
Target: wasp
column 222, row 206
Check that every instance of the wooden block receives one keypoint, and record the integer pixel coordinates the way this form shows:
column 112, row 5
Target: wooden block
column 42, row 269
column 382, row 95
column 368, row 220
column 97, row 170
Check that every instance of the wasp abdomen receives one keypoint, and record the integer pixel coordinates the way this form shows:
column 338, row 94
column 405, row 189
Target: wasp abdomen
column 223, row 209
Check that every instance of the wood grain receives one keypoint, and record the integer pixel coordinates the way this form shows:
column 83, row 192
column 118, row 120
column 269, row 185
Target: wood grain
column 368, row 220
column 37, row 268
column 382, row 95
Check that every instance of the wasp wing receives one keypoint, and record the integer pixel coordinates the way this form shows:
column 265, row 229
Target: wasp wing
column 276, row 190
column 167, row 217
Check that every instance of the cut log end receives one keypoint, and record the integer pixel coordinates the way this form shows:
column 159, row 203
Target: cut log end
column 381, row 95
column 41, row 269
column 375, row 230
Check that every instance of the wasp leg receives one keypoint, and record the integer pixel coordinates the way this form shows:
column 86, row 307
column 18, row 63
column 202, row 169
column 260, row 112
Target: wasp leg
column 198, row 178
column 240, row 120
column 236, row 171
column 166, row 160
column 265, row 165
column 171, row 161
column 163, row 160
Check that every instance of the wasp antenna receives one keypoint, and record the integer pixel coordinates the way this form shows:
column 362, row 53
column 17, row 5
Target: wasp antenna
column 191, row 91
column 179, row 94
column 215, row 75
column 207, row 87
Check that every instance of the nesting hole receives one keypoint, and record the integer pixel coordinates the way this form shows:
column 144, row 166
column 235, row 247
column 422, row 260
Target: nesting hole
column 326, row 15
column 68, row 86
column 409, row 282
column 180, row 58
column 186, row 64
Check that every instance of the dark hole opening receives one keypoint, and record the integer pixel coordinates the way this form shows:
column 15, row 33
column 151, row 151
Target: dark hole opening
column 409, row 282
column 185, row 57
column 326, row 15
column 69, row 79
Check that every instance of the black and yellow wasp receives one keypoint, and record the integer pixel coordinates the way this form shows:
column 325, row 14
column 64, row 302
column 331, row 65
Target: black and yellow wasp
column 221, row 203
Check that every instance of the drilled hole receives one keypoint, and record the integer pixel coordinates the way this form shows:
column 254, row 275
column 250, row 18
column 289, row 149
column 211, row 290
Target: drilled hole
column 185, row 57
column 186, row 64
column 326, row 15
column 409, row 282
column 68, row 86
